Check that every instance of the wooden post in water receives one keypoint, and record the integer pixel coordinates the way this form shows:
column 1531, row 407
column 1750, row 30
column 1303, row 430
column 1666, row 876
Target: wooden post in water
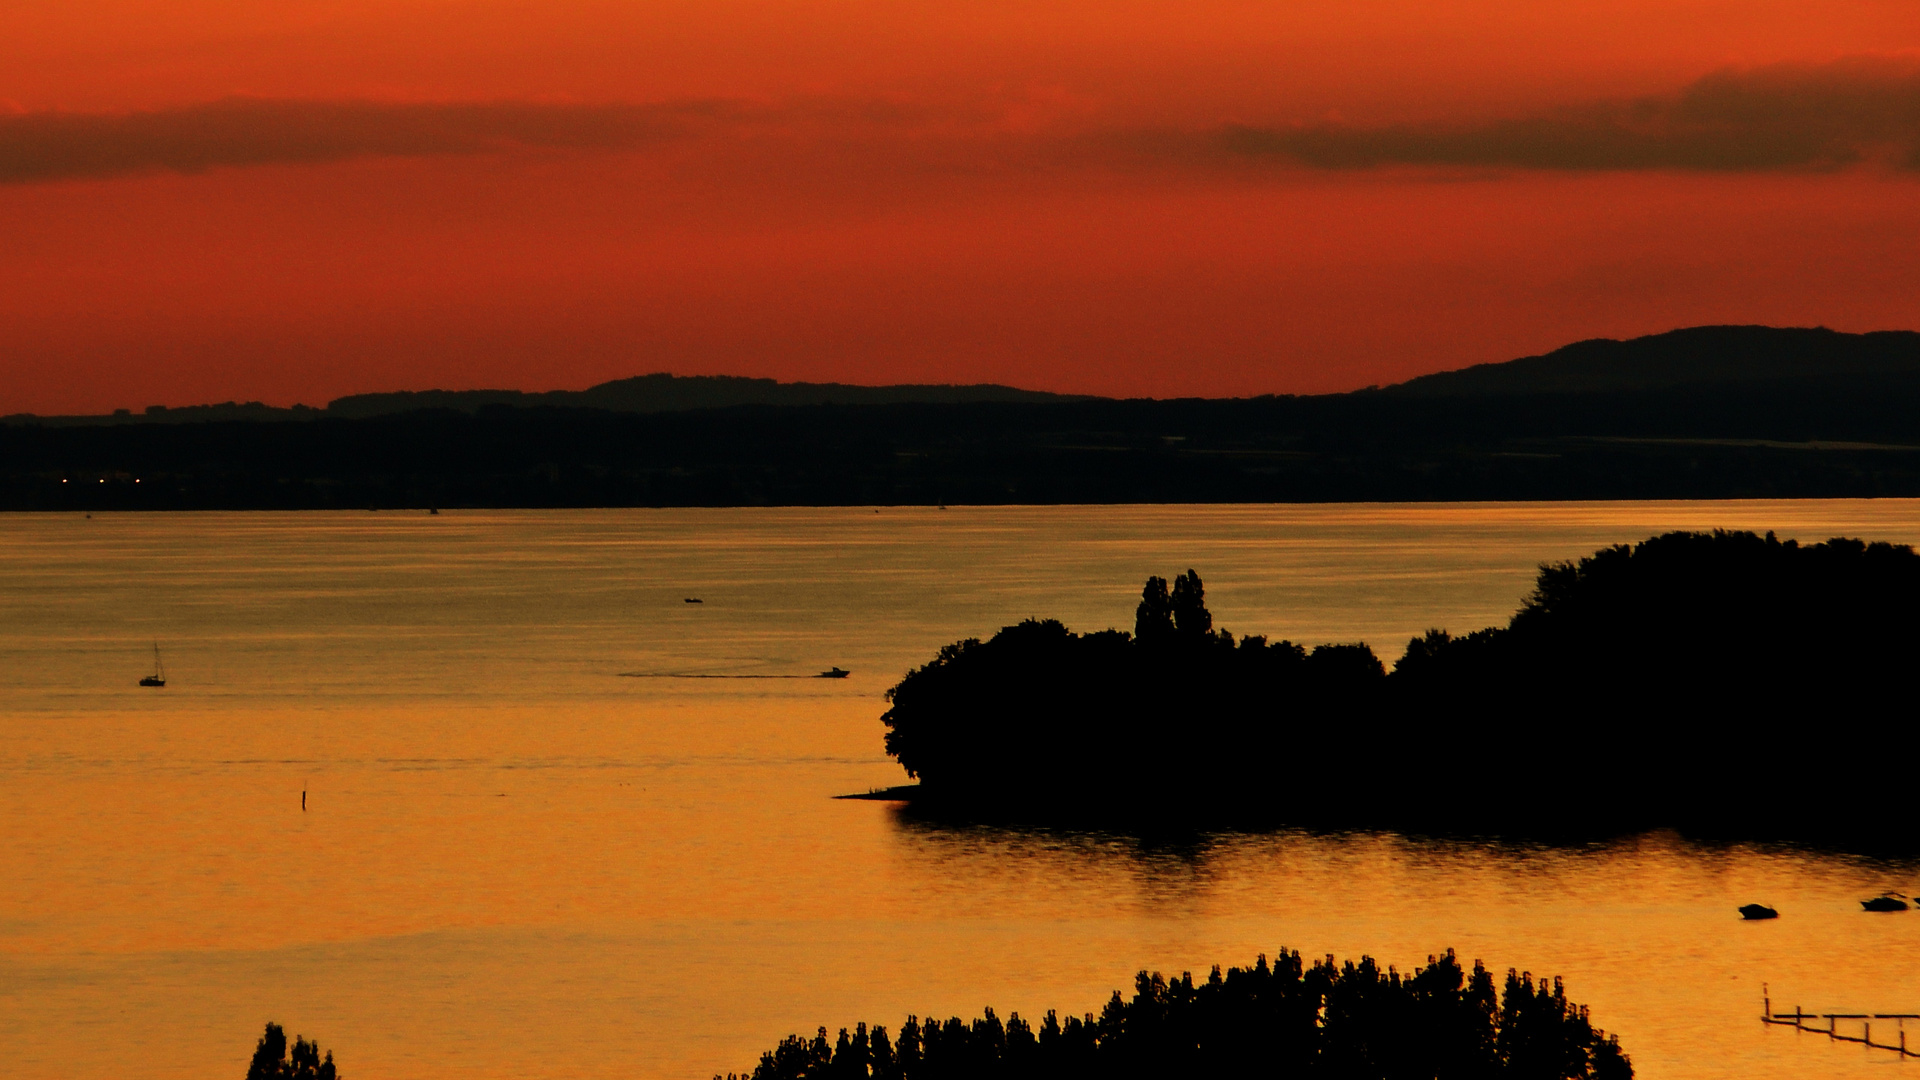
column 1799, row 1017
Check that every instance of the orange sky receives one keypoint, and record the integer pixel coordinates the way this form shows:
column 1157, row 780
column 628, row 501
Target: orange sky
column 202, row 201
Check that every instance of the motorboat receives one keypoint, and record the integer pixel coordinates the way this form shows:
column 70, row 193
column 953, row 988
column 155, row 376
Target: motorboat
column 834, row 673
column 1885, row 902
column 1758, row 911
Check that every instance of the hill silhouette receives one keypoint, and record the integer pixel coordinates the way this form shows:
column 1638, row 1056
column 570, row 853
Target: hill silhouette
column 1682, row 682
column 656, row 393
column 1699, row 357
column 661, row 392
column 1793, row 414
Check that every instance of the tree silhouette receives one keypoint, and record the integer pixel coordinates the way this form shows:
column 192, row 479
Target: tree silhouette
column 1285, row 1019
column 273, row 1059
column 1153, row 619
column 1622, row 684
column 1191, row 619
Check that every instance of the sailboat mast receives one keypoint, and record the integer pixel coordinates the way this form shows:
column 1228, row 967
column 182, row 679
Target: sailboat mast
column 159, row 676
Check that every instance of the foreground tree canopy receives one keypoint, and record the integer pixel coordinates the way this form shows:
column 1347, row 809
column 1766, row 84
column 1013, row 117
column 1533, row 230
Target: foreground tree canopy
column 1286, row 1019
column 273, row 1059
column 1631, row 689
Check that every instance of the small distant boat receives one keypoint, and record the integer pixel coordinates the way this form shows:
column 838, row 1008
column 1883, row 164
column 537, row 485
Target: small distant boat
column 693, row 600
column 1758, row 911
column 159, row 676
column 1885, row 902
column 834, row 673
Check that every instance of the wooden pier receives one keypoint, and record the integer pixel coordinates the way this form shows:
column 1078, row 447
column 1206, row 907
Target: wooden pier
column 1809, row 1022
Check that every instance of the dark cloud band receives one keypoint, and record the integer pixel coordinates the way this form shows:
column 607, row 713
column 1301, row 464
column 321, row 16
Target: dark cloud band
column 1768, row 119
column 1780, row 118
column 248, row 131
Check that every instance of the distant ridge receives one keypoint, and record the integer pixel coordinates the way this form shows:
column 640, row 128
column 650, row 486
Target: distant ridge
column 1743, row 412
column 656, row 393
column 662, row 392
column 1696, row 356
column 1694, row 359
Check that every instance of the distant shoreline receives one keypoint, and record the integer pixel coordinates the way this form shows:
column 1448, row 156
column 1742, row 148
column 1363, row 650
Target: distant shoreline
column 1356, row 449
column 1705, row 413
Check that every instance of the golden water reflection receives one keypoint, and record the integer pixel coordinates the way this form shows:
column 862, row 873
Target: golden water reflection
column 514, row 862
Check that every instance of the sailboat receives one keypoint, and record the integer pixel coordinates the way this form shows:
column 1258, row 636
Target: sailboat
column 159, row 676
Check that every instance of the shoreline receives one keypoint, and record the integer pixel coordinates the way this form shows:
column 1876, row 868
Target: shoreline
column 897, row 793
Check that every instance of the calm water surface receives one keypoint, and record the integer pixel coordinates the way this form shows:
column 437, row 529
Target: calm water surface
column 516, row 862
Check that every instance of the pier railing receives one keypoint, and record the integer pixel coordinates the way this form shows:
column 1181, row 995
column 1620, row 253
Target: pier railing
column 1810, row 1022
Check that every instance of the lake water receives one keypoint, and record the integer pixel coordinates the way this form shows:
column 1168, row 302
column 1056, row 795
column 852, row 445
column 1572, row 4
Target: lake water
column 515, row 862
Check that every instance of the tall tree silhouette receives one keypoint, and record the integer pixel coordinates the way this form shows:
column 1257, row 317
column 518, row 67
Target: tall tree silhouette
column 1191, row 619
column 1153, row 619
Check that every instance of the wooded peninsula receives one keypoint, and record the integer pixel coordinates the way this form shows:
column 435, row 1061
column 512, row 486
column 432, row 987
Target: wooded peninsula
column 1692, row 680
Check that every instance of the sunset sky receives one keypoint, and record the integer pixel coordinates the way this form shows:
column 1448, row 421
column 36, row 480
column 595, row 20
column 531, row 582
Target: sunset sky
column 203, row 200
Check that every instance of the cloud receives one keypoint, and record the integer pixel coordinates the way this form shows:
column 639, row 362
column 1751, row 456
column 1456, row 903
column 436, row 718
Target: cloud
column 1780, row 118
column 38, row 146
column 901, row 135
column 1784, row 117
